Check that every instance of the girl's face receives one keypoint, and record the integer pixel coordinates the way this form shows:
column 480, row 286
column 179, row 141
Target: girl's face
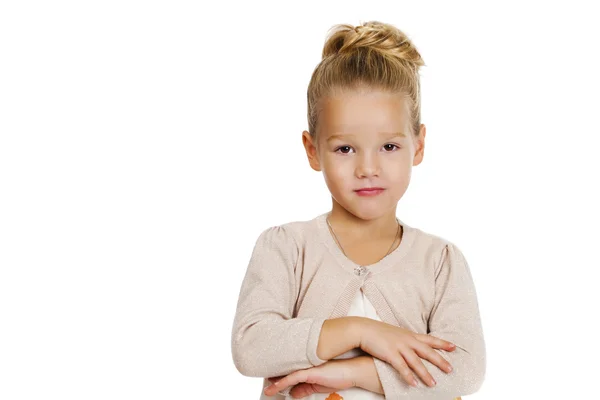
column 363, row 141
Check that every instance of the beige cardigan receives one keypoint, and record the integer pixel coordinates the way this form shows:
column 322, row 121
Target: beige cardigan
column 298, row 277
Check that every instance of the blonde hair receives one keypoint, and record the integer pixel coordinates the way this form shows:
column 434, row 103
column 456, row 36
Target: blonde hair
column 373, row 55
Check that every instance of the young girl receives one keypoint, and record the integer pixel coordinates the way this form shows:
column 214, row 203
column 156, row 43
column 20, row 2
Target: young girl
column 355, row 303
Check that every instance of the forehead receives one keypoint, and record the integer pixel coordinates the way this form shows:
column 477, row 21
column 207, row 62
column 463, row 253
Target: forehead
column 362, row 113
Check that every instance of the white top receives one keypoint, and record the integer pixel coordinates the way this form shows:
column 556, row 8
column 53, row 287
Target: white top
column 362, row 307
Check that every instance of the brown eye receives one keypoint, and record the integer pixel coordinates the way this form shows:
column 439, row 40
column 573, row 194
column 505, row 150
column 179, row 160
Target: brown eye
column 343, row 147
column 389, row 144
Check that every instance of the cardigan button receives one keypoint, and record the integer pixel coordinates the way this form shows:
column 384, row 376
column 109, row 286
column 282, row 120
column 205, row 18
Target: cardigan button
column 360, row 270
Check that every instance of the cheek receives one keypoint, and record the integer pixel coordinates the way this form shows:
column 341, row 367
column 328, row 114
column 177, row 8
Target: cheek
column 400, row 180
column 340, row 169
column 400, row 175
column 337, row 174
column 335, row 177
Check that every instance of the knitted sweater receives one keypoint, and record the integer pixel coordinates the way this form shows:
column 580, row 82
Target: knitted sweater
column 298, row 277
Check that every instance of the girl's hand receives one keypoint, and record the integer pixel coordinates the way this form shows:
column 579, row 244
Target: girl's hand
column 306, row 389
column 402, row 348
column 329, row 377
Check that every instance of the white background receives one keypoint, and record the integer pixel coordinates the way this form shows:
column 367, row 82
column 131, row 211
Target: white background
column 145, row 145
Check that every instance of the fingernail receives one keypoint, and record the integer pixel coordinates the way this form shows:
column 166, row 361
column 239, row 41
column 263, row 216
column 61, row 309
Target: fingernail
column 433, row 382
column 449, row 368
column 415, row 383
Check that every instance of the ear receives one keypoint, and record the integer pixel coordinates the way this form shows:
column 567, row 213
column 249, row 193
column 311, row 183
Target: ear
column 419, row 145
column 311, row 151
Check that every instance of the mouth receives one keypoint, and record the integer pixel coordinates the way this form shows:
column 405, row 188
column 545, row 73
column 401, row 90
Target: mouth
column 374, row 191
column 368, row 189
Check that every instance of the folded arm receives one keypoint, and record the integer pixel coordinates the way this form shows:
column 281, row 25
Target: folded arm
column 266, row 341
column 454, row 317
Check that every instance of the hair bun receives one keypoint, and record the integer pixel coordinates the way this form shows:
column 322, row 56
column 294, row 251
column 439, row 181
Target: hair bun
column 345, row 39
column 372, row 55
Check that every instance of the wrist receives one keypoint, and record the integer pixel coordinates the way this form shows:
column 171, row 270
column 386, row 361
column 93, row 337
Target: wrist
column 359, row 327
column 339, row 335
column 366, row 376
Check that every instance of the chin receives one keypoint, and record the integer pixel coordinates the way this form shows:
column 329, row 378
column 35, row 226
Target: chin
column 367, row 213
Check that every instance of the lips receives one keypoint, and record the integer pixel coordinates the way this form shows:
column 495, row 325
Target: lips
column 369, row 192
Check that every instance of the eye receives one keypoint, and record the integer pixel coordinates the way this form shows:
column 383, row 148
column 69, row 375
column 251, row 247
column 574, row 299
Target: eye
column 342, row 147
column 393, row 147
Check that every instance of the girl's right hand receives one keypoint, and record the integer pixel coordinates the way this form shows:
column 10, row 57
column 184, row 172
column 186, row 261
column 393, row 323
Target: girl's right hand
column 402, row 348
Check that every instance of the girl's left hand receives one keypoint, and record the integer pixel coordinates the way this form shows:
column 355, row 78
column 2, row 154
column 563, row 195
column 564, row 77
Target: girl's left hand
column 328, row 377
column 303, row 389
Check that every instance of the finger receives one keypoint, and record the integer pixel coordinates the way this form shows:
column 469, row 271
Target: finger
column 276, row 378
column 417, row 366
column 290, row 380
column 427, row 353
column 397, row 361
column 436, row 342
column 306, row 389
column 302, row 390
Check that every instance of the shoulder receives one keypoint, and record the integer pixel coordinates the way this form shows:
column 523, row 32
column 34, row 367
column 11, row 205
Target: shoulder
column 434, row 248
column 293, row 234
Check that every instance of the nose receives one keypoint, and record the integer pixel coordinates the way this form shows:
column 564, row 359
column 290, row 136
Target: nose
column 368, row 165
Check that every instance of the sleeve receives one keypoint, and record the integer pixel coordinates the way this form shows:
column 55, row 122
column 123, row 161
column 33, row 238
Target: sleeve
column 454, row 317
column 266, row 340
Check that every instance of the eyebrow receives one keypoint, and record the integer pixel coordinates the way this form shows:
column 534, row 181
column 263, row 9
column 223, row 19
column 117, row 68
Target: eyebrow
column 387, row 135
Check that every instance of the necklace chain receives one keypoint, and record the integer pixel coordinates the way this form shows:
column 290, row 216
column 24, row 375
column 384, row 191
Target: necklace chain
column 341, row 248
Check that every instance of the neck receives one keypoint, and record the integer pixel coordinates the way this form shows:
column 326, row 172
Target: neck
column 349, row 225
